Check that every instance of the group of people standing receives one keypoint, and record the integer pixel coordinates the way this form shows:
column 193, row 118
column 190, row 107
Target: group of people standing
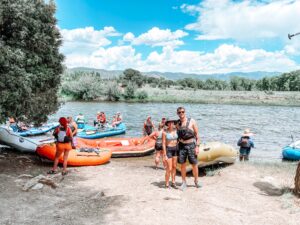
column 176, row 141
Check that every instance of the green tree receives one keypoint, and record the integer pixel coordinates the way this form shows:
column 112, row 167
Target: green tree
column 264, row 84
column 30, row 62
column 133, row 76
column 82, row 85
column 130, row 91
column 113, row 91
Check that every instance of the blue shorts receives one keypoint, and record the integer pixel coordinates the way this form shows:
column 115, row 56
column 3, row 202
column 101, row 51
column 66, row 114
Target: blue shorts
column 245, row 151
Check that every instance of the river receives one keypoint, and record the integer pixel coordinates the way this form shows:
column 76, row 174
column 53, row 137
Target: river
column 272, row 125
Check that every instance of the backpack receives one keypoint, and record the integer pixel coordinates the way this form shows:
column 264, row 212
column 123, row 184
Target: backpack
column 63, row 136
column 245, row 142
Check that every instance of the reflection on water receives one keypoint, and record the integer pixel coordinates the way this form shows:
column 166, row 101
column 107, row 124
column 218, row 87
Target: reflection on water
column 272, row 125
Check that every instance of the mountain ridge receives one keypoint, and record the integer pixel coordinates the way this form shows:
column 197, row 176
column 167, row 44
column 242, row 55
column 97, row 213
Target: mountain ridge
column 256, row 75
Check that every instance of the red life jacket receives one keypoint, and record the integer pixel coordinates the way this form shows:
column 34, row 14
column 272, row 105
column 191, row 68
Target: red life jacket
column 102, row 119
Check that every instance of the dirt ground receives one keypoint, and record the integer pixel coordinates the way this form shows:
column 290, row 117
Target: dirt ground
column 131, row 191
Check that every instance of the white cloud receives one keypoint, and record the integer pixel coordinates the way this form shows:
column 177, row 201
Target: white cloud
column 157, row 37
column 90, row 48
column 128, row 37
column 86, row 39
column 244, row 20
column 293, row 46
column 117, row 57
column 226, row 58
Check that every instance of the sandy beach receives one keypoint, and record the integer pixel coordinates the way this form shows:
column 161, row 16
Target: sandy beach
column 131, row 191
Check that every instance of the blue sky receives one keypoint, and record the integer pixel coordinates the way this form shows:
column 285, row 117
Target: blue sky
column 192, row 36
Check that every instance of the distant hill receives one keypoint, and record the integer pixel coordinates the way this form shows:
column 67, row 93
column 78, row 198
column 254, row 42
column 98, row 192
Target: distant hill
column 222, row 76
column 176, row 76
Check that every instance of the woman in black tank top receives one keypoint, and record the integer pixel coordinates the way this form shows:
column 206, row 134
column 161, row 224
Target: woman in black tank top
column 148, row 127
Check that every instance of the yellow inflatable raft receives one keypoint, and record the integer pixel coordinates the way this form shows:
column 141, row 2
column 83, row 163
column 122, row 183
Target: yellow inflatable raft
column 214, row 153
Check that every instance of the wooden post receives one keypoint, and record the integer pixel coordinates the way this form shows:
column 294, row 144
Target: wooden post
column 297, row 181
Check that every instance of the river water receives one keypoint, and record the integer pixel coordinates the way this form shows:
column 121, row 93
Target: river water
column 272, row 125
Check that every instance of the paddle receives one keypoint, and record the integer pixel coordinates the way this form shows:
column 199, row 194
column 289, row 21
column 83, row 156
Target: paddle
column 49, row 139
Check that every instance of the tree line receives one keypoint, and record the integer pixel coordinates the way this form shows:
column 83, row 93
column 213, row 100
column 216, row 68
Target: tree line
column 90, row 85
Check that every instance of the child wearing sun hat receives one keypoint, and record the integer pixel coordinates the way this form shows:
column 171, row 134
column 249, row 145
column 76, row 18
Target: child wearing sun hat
column 246, row 143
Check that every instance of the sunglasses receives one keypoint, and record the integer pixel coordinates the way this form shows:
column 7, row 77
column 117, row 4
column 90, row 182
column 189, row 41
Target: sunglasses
column 180, row 112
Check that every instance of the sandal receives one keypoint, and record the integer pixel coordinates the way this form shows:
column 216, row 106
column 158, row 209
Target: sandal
column 198, row 184
column 52, row 172
column 63, row 173
column 173, row 185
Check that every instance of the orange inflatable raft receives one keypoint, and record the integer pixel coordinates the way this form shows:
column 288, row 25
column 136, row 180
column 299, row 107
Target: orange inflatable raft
column 76, row 156
column 122, row 147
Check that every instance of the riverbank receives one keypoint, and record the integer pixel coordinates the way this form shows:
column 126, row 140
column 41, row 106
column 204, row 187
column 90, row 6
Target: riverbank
column 176, row 95
column 224, row 97
column 130, row 191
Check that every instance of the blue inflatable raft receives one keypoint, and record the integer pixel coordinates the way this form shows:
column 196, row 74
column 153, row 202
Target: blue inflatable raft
column 292, row 151
column 90, row 132
column 37, row 130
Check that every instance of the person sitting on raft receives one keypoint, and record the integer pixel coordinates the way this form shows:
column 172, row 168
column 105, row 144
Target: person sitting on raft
column 148, row 126
column 101, row 119
column 97, row 119
column 22, row 126
column 246, row 143
column 170, row 151
column 63, row 136
column 80, row 120
column 74, row 129
column 117, row 119
column 12, row 124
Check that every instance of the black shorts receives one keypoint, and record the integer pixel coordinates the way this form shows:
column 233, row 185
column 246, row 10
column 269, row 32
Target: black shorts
column 158, row 147
column 187, row 151
column 172, row 151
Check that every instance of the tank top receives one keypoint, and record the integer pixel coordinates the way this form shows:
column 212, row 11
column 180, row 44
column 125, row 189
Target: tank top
column 148, row 128
column 72, row 127
column 159, row 138
column 184, row 132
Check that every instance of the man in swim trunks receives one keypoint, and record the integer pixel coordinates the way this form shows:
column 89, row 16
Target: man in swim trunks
column 188, row 146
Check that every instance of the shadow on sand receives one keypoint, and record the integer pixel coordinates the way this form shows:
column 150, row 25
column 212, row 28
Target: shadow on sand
column 270, row 190
column 161, row 184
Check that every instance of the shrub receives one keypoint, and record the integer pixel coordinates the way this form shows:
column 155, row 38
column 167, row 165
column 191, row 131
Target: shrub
column 130, row 91
column 142, row 95
column 153, row 85
column 113, row 91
